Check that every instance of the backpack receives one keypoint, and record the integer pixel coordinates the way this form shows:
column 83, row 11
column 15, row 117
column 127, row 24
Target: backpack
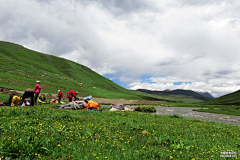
column 88, row 98
column 27, row 101
column 119, row 106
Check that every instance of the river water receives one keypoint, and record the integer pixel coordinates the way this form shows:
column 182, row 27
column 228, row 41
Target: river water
column 189, row 113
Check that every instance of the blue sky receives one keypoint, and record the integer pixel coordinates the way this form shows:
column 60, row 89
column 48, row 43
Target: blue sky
column 157, row 45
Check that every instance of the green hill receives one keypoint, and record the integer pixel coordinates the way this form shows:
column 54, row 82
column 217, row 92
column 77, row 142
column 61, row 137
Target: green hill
column 229, row 99
column 21, row 67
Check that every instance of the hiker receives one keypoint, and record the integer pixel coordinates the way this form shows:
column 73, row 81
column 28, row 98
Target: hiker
column 15, row 100
column 41, row 99
column 59, row 96
column 73, row 105
column 27, row 98
column 37, row 91
column 52, row 100
column 91, row 105
column 71, row 94
column 9, row 101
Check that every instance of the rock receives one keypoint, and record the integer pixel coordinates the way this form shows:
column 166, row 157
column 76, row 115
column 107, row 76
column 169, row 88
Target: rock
column 226, row 117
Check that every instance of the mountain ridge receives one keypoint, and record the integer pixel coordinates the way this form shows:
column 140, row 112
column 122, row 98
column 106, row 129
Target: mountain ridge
column 176, row 92
column 206, row 94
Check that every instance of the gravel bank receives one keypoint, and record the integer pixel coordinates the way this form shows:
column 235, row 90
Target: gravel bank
column 189, row 113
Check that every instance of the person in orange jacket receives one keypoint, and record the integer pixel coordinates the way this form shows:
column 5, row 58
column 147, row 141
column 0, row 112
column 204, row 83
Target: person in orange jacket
column 59, row 96
column 71, row 94
column 91, row 105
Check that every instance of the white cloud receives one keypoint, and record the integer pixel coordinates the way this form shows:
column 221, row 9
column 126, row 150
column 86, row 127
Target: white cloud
column 216, row 87
column 178, row 41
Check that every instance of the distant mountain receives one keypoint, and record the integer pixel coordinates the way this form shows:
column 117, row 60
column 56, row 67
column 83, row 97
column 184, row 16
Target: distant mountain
column 206, row 94
column 179, row 92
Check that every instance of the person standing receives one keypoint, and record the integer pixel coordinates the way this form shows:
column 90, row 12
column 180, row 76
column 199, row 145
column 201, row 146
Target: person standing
column 59, row 96
column 71, row 94
column 37, row 91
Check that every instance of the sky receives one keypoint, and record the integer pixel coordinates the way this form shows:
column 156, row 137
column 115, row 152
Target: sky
column 138, row 44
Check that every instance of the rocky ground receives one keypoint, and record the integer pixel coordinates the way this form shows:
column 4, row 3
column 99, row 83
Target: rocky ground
column 189, row 113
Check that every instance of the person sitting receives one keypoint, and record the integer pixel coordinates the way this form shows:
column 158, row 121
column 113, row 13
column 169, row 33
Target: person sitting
column 15, row 101
column 9, row 101
column 28, row 94
column 71, row 94
column 52, row 100
column 41, row 99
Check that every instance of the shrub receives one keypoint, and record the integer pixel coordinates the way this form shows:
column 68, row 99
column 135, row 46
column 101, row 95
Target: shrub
column 145, row 109
column 139, row 108
column 175, row 116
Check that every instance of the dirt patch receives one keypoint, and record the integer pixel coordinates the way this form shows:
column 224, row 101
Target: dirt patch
column 8, row 91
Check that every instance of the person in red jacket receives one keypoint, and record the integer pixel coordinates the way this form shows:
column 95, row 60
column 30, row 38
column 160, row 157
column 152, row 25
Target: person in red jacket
column 71, row 94
column 59, row 96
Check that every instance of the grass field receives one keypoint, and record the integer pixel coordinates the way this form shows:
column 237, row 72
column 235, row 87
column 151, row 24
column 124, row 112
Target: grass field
column 41, row 132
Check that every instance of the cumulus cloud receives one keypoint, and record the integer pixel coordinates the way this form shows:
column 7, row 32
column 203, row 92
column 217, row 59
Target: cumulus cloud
column 172, row 41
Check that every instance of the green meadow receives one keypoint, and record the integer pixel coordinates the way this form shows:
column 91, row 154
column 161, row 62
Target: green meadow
column 41, row 132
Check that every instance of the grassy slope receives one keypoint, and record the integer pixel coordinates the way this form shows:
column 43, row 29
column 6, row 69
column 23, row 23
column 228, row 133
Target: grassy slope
column 229, row 99
column 21, row 67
